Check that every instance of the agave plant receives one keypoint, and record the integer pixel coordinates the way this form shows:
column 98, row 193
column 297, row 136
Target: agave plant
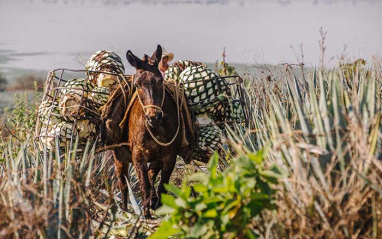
column 60, row 193
column 326, row 131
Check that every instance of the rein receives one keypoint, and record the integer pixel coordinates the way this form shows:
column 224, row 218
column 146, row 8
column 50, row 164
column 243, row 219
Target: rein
column 144, row 107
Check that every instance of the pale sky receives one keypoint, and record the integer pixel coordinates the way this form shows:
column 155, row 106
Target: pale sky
column 252, row 31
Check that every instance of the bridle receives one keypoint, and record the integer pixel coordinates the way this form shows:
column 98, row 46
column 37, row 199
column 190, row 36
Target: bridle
column 153, row 106
column 144, row 107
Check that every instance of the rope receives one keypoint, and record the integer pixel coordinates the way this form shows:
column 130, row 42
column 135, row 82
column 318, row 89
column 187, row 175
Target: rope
column 153, row 106
column 123, row 92
column 160, row 108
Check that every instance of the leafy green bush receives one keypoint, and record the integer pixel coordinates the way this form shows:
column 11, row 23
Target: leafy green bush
column 21, row 119
column 226, row 70
column 225, row 203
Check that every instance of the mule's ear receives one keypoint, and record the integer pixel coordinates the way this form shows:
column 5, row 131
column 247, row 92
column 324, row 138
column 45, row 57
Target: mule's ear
column 133, row 60
column 153, row 59
column 158, row 54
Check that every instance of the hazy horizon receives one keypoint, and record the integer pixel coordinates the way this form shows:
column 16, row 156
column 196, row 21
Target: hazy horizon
column 44, row 35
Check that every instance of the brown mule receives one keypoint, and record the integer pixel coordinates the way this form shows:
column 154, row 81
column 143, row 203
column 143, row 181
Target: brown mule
column 150, row 127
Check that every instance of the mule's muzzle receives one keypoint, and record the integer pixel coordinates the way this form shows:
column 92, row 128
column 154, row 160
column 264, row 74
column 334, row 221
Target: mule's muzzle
column 154, row 118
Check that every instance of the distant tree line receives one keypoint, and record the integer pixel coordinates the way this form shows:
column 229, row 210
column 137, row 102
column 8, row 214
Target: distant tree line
column 24, row 82
column 3, row 82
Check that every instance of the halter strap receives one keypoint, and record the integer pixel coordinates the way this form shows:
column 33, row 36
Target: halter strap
column 153, row 106
column 144, row 107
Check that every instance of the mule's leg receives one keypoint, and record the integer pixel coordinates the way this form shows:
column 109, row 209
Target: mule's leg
column 122, row 170
column 142, row 172
column 167, row 168
column 122, row 154
column 154, row 169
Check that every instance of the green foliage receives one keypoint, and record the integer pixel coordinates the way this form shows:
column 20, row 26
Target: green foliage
column 21, row 119
column 351, row 70
column 224, row 69
column 326, row 130
column 60, row 193
column 323, row 128
column 226, row 203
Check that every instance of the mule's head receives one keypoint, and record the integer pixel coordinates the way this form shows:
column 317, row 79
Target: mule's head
column 149, row 84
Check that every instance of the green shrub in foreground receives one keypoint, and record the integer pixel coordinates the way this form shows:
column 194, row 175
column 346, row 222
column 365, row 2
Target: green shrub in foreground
column 226, row 203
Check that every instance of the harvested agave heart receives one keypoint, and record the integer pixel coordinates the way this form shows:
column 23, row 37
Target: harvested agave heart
column 174, row 71
column 86, row 130
column 70, row 106
column 208, row 141
column 46, row 138
column 48, row 112
column 77, row 86
column 107, row 80
column 203, row 87
column 237, row 111
column 105, row 61
column 62, row 130
column 228, row 110
column 209, row 138
column 99, row 95
column 73, row 98
column 206, row 91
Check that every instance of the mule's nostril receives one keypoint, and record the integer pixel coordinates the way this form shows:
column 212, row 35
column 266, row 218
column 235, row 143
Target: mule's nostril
column 159, row 117
column 148, row 118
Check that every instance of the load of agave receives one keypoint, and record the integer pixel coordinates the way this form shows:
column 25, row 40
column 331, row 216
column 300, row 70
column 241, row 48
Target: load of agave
column 214, row 99
column 73, row 107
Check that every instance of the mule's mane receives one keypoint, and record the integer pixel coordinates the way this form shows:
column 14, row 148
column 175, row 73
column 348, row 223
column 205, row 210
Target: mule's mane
column 148, row 65
column 149, row 60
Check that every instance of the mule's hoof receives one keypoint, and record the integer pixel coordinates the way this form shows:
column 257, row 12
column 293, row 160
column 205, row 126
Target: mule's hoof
column 153, row 203
column 123, row 207
column 158, row 204
column 148, row 216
